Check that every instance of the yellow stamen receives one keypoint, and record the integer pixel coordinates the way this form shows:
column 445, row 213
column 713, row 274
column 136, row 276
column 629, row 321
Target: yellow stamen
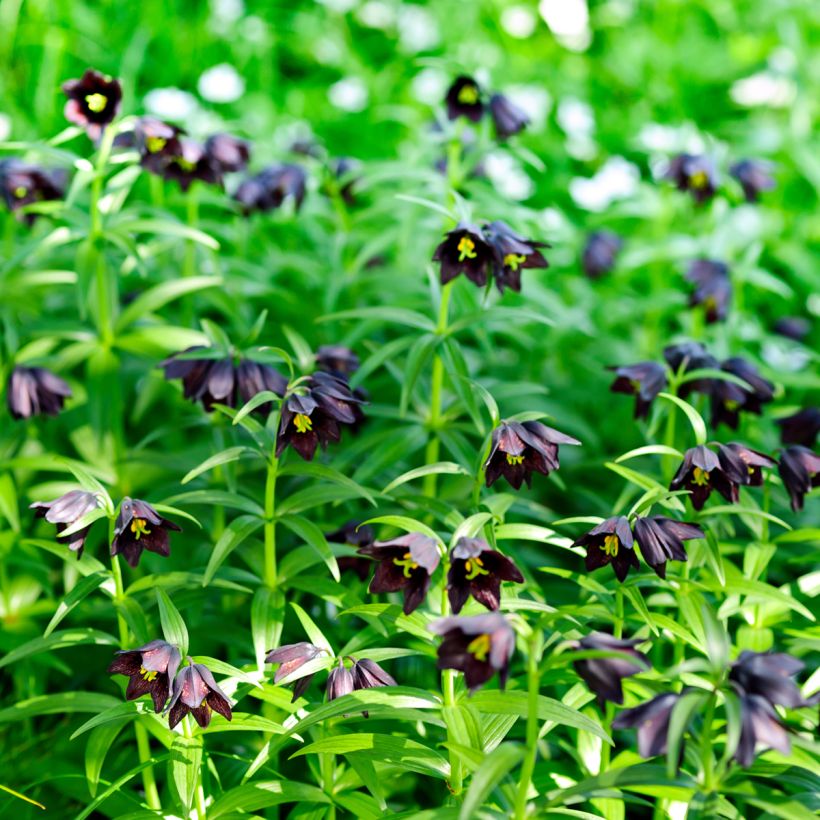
column 407, row 564
column 185, row 164
column 302, row 423
column 466, row 249
column 139, row 526
column 148, row 675
column 468, row 95
column 700, row 477
column 479, row 648
column 474, row 568
column 513, row 260
column 20, row 191
column 514, row 459
column 155, row 144
column 611, row 545
column 700, row 179
column 96, row 102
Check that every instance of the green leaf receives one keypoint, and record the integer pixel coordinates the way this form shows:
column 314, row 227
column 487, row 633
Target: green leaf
column 83, row 588
column 159, row 295
column 386, row 315
column 8, row 501
column 734, row 509
column 96, row 750
column 218, row 498
column 650, row 450
column 313, row 536
column 314, row 470
column 402, row 522
column 267, row 617
column 313, row 632
column 695, row 419
column 166, row 227
column 263, row 397
column 64, row 639
column 429, row 204
column 224, row 457
column 682, row 713
column 233, row 535
column 420, row 353
column 263, row 794
column 439, row 468
column 646, row 483
column 496, row 765
column 173, row 627
column 120, row 713
column 57, row 704
column 184, row 762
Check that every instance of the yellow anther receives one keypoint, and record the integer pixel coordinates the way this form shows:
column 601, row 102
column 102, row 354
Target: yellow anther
column 468, row 95
column 466, row 249
column 407, row 564
column 479, row 648
column 514, row 459
column 700, row 477
column 148, row 675
column 474, row 567
column 186, row 165
column 155, row 144
column 96, row 102
column 700, row 179
column 302, row 423
column 611, row 545
column 20, row 191
column 139, row 526
column 513, row 260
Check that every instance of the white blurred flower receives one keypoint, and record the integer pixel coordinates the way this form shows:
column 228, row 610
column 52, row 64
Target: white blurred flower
column 783, row 356
column 576, row 117
column 221, row 84
column 668, row 139
column 518, row 21
column 328, row 51
column 507, row 176
column 569, row 22
column 170, row 103
column 5, row 127
column 418, row 29
column 430, row 85
column 227, row 11
column 763, row 88
column 376, row 14
column 254, row 29
column 340, row 6
column 349, row 94
column 534, row 100
column 617, row 179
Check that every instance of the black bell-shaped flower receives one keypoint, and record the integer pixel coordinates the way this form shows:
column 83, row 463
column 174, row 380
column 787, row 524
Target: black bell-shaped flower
column 508, row 118
column 610, row 542
column 34, row 391
column 643, row 380
column 150, row 669
column 604, row 675
column 600, row 252
column 140, row 527
column 652, row 721
column 196, row 692
column 661, row 539
column 713, row 288
column 93, row 101
column 799, row 469
column 22, row 184
column 66, row 510
column 291, row 658
column 477, row 570
column 464, row 99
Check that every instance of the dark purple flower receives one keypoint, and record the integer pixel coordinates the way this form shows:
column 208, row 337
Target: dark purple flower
column 519, row 448
column 464, row 250
column 652, row 721
column 157, row 143
column 368, row 674
column 793, row 327
column 728, row 398
column 478, row 570
column 270, row 188
column 228, row 153
column 196, row 692
column 801, row 427
column 93, row 101
column 405, row 563
column 464, row 99
column 760, row 725
column 150, row 670
column 191, row 162
column 695, row 174
column 604, row 675
column 752, row 460
column 291, row 658
column 140, row 527
column 600, row 251
column 66, row 510
column 339, row 682
column 610, row 542
column 512, row 254
column 661, row 539
column 508, row 118
column 643, row 380
column 354, row 535
column 691, row 356
column 337, row 359
column 799, row 469
column 701, row 472
column 755, row 176
column 22, row 184
column 713, row 288
column 479, row 646
column 34, row 391
column 769, row 675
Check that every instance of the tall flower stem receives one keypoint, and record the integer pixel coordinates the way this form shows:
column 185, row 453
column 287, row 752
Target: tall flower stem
column 707, row 761
column 270, row 523
column 199, row 792
column 533, row 685
column 448, row 691
column 617, row 632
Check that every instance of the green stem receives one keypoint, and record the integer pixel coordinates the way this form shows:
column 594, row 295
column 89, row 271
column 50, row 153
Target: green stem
column 618, row 621
column 617, row 631
column 270, row 523
column 199, row 792
column 706, row 752
column 533, row 686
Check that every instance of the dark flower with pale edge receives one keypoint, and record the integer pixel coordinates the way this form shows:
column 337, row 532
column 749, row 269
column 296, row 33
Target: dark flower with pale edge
column 464, row 99
column 769, row 675
column 368, row 674
column 22, row 184
column 713, row 288
column 696, row 174
column 34, row 391
column 228, row 153
column 701, row 472
column 755, row 176
column 643, row 380
column 291, row 658
column 728, row 398
column 610, row 542
column 270, row 188
column 478, row 570
column 513, row 253
column 691, row 356
column 314, row 417
column 339, row 682
column 652, row 721
column 479, row 646
column 355, row 536
column 519, row 448
column 661, row 540
column 405, row 563
column 760, row 726
column 66, row 510
column 600, row 252
column 150, row 670
column 191, row 163
column 604, row 675
column 196, row 692
column 337, row 359
column 93, row 101
column 793, row 327
column 801, row 427
column 140, row 527
column 508, row 118
column 221, row 381
column 799, row 469
column 157, row 142
column 464, row 250
column 752, row 460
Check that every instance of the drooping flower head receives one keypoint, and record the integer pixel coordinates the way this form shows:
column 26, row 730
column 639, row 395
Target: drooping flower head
column 661, row 539
column 610, row 542
column 760, row 726
column 643, row 380
column 800, row 428
column 93, row 101
column 604, row 675
column 196, row 692
column 191, row 162
column 701, row 472
column 157, row 143
column 695, row 174
column 752, row 460
column 150, row 670
column 729, row 399
column 227, row 153
column 337, row 359
column 713, row 288
column 600, row 252
column 464, row 99
column 339, row 681
column 691, row 356
column 799, row 469
column 464, row 250
column 477, row 570
column 291, row 658
column 270, row 188
column 404, row 563
column 754, row 176
column 140, row 527
column 770, row 675
column 368, row 674
column 652, row 720
column 33, row 391
column 509, row 119
column 479, row 646
column 512, row 253
column 22, row 184
column 66, row 510
column 521, row 448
